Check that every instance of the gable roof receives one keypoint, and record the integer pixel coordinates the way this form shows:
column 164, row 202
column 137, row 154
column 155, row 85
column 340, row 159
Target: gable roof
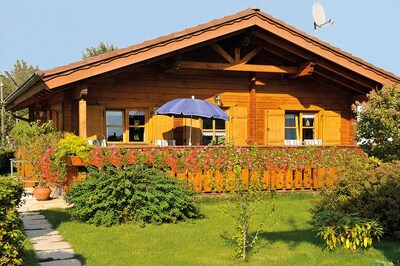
column 60, row 76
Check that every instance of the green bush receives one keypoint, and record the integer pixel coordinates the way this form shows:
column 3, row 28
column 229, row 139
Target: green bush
column 372, row 190
column 5, row 156
column 11, row 235
column 117, row 195
column 347, row 230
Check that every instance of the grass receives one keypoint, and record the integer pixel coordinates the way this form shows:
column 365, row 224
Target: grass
column 287, row 239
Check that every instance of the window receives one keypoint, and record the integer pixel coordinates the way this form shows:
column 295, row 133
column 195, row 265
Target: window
column 136, row 125
column 114, row 125
column 299, row 126
column 214, row 131
column 133, row 125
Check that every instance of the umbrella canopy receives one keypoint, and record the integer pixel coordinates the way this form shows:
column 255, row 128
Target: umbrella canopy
column 192, row 107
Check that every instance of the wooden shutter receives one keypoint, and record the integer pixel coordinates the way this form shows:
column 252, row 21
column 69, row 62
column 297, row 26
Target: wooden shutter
column 238, row 125
column 275, row 131
column 330, row 127
column 95, row 122
column 160, row 127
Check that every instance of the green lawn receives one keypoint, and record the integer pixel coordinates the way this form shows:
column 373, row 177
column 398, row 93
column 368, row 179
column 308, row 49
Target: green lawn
column 287, row 239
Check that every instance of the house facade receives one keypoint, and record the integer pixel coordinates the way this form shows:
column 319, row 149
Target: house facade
column 278, row 85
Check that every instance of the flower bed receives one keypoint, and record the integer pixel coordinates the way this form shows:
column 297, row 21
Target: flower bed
column 206, row 168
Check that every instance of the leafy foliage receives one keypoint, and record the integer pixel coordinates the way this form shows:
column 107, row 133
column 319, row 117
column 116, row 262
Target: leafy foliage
column 197, row 159
column 370, row 189
column 100, row 49
column 244, row 198
column 347, row 230
column 19, row 74
column 133, row 193
column 72, row 145
column 378, row 127
column 11, row 236
column 36, row 142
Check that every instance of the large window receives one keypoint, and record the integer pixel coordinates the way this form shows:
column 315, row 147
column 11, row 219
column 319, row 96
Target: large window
column 214, row 131
column 299, row 126
column 133, row 127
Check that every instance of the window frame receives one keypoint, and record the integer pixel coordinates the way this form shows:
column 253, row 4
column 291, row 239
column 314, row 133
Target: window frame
column 126, row 126
column 213, row 131
column 299, row 124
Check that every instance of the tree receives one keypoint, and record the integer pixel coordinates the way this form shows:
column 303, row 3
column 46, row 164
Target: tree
column 18, row 76
column 378, row 127
column 100, row 49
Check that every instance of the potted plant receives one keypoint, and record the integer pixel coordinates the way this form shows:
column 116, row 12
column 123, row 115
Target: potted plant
column 73, row 150
column 36, row 144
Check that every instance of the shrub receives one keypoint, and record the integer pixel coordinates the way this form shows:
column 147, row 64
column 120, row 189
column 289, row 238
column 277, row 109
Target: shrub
column 134, row 193
column 11, row 236
column 378, row 129
column 347, row 230
column 372, row 190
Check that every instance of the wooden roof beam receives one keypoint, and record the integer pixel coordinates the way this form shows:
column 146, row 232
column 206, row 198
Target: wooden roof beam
column 339, row 82
column 251, row 54
column 239, row 67
column 217, row 48
column 305, row 69
column 310, row 56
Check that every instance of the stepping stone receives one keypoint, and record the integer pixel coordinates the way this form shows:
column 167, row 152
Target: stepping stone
column 40, row 232
column 37, row 224
column 72, row 262
column 55, row 254
column 51, row 246
column 32, row 217
column 47, row 238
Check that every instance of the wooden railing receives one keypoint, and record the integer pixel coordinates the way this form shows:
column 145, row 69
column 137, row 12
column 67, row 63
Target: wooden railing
column 307, row 178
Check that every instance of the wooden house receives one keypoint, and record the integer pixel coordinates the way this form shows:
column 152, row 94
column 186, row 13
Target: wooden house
column 278, row 85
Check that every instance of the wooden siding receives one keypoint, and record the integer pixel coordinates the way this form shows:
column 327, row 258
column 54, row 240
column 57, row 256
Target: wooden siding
column 147, row 88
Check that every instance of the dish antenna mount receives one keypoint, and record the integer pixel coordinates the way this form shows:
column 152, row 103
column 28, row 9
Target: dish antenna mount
column 319, row 16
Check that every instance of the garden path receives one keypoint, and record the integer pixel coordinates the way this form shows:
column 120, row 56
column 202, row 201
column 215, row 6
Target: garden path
column 50, row 248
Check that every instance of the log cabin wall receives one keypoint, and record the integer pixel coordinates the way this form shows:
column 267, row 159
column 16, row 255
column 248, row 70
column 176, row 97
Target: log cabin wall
column 147, row 88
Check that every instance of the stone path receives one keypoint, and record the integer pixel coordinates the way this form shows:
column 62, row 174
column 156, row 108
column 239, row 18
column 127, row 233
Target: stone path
column 50, row 247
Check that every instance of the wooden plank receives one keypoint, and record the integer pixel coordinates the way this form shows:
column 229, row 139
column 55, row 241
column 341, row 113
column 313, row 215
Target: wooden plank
column 217, row 48
column 82, row 118
column 238, row 67
column 305, row 69
column 237, row 55
column 251, row 54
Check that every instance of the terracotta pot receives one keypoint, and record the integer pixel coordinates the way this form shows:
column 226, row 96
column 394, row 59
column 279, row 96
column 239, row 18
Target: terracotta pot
column 76, row 161
column 42, row 193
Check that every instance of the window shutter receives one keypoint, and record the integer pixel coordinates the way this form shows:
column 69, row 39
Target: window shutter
column 275, row 131
column 95, row 122
column 238, row 125
column 161, row 126
column 330, row 127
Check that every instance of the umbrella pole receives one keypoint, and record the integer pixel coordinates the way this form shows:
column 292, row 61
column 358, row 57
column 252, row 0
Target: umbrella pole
column 190, row 132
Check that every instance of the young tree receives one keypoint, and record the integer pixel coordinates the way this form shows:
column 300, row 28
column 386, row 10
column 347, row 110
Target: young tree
column 378, row 123
column 100, row 49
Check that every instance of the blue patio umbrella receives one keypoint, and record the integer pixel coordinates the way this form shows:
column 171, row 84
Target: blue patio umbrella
column 192, row 108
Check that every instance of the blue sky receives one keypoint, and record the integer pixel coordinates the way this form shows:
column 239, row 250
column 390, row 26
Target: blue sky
column 51, row 33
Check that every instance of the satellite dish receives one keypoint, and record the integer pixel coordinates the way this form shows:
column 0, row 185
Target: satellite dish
column 319, row 16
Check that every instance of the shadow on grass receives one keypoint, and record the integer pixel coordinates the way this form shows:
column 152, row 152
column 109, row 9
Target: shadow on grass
column 56, row 217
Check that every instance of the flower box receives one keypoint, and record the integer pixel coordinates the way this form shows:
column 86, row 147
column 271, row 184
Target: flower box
column 75, row 161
